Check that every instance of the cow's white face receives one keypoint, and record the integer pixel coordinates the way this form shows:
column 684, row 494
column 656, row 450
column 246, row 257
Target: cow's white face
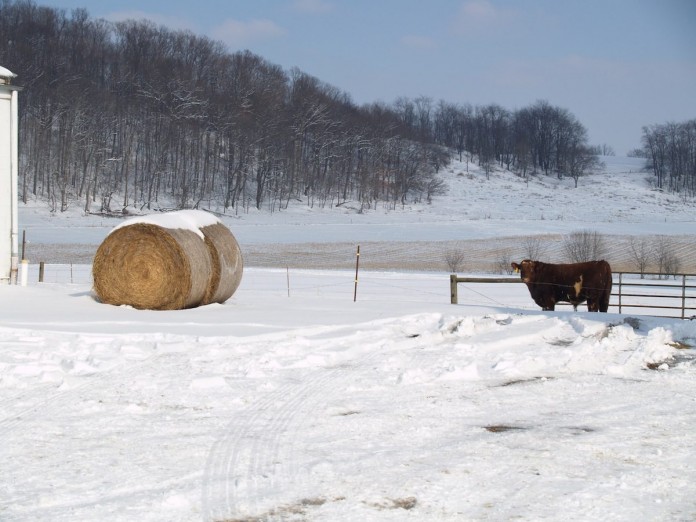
column 525, row 269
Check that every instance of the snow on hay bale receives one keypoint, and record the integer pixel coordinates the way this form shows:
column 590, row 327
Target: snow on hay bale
column 168, row 261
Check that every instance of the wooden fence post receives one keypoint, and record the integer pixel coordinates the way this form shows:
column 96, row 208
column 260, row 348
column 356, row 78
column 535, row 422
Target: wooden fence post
column 453, row 289
column 357, row 266
column 41, row 271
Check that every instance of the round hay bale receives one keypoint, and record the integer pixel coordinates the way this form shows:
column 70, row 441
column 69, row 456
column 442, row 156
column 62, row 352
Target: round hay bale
column 151, row 267
column 168, row 262
column 227, row 263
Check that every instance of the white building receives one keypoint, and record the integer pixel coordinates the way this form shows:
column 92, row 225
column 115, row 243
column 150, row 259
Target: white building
column 9, row 157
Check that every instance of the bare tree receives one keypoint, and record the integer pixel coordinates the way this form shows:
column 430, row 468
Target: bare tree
column 584, row 245
column 503, row 265
column 581, row 161
column 533, row 247
column 670, row 152
column 455, row 260
column 603, row 150
column 672, row 265
column 667, row 261
column 640, row 254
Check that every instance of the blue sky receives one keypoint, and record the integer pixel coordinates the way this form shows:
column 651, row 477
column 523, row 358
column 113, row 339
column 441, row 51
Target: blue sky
column 615, row 64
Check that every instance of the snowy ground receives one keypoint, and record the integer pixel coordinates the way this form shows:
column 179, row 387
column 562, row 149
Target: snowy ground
column 313, row 407
column 292, row 401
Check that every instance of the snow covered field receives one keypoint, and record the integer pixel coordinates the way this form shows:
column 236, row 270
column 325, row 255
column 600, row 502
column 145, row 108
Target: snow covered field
column 292, row 401
column 479, row 215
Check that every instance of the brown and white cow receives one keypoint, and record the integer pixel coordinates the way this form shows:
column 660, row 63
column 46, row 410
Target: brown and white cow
column 573, row 283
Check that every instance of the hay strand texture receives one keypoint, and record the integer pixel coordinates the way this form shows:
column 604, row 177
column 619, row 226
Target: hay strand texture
column 155, row 266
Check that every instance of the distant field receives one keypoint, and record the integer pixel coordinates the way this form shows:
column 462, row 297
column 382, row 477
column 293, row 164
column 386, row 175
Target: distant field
column 479, row 255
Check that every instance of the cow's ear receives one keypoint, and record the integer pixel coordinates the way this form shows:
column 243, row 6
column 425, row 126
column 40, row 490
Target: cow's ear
column 515, row 267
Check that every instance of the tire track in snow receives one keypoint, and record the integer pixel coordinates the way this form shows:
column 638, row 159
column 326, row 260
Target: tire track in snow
column 256, row 454
column 239, row 462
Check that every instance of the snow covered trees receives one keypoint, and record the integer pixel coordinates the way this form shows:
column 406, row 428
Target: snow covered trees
column 671, row 152
column 132, row 114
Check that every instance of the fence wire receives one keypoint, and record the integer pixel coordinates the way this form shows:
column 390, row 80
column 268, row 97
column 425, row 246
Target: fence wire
column 419, row 287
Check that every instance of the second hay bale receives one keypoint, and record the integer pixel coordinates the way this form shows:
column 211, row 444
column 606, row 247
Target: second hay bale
column 226, row 263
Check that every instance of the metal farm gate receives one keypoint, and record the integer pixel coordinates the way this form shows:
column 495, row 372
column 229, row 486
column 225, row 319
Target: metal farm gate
column 673, row 294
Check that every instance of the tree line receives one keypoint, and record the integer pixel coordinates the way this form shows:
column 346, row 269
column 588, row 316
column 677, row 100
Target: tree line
column 671, row 152
column 538, row 138
column 129, row 114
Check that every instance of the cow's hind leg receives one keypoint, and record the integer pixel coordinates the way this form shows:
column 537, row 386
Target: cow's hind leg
column 604, row 301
